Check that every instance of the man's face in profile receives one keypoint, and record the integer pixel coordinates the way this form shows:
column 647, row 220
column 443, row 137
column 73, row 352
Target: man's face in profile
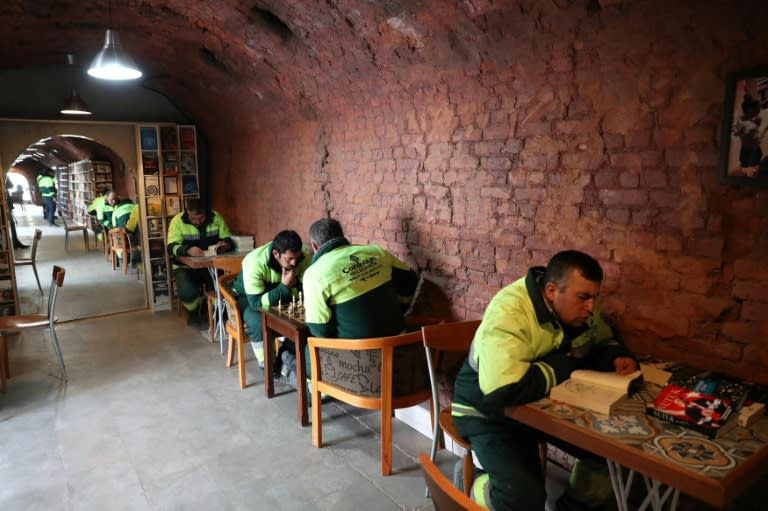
column 574, row 302
column 287, row 259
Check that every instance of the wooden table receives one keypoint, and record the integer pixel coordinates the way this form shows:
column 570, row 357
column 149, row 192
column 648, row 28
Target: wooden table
column 293, row 328
column 670, row 459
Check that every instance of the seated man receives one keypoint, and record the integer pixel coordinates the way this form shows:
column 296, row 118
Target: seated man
column 533, row 334
column 270, row 274
column 126, row 215
column 359, row 291
column 105, row 208
column 189, row 234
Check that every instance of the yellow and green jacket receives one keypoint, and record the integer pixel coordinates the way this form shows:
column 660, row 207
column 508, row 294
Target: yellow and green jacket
column 519, row 351
column 183, row 234
column 46, row 185
column 260, row 278
column 356, row 291
column 126, row 214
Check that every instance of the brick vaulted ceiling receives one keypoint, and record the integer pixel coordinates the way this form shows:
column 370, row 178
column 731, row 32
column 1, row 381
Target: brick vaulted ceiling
column 269, row 61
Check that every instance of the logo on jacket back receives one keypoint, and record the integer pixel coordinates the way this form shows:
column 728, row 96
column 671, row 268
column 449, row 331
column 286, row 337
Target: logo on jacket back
column 362, row 269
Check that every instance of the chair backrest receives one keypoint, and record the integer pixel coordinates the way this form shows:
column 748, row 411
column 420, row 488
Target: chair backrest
column 118, row 238
column 445, row 337
column 445, row 496
column 234, row 320
column 57, row 281
column 364, row 372
column 35, row 241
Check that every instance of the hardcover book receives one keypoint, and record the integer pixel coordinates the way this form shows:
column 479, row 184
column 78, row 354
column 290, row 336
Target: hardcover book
column 598, row 391
column 151, row 186
column 189, row 184
column 170, row 164
column 154, row 206
column 172, row 206
column 168, row 139
column 188, row 162
column 171, row 185
column 187, row 138
column 148, row 138
column 700, row 412
column 149, row 163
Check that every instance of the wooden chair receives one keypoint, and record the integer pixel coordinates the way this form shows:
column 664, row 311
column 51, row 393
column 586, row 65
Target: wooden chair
column 438, row 339
column 380, row 398
column 29, row 321
column 445, row 496
column 120, row 248
column 233, row 326
column 32, row 260
column 69, row 227
column 107, row 244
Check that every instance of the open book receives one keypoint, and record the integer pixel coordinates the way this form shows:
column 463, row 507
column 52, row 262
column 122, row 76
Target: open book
column 213, row 250
column 595, row 390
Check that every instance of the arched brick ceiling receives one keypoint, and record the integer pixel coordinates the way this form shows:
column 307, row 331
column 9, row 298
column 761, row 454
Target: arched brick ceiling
column 267, row 61
column 61, row 150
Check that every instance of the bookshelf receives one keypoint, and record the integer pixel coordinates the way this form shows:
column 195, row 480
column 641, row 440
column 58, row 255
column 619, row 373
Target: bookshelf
column 64, row 203
column 9, row 297
column 168, row 159
column 86, row 179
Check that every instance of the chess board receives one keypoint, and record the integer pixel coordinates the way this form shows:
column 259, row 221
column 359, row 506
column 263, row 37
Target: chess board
column 295, row 313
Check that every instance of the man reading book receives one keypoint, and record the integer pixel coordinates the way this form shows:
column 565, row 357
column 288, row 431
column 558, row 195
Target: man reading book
column 534, row 333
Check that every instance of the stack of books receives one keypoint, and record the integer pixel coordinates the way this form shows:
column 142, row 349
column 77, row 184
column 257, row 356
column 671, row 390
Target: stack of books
column 243, row 242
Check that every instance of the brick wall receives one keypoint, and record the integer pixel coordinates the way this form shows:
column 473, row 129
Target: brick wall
column 589, row 125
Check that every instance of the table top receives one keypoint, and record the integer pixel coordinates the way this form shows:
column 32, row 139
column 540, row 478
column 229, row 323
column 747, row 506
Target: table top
column 714, row 471
column 212, row 261
column 284, row 314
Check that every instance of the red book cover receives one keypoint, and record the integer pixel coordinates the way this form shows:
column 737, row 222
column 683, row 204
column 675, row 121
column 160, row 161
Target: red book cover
column 701, row 412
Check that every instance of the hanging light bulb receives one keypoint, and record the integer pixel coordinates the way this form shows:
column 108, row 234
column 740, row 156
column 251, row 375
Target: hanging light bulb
column 112, row 63
column 74, row 105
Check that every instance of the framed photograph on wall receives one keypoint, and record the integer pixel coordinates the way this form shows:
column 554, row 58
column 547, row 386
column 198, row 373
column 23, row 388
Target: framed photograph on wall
column 744, row 133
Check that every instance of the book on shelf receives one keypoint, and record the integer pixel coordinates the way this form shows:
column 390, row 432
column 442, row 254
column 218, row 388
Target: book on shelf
column 149, row 163
column 156, row 248
column 154, row 206
column 148, row 136
column 160, row 293
column 171, row 184
column 172, row 206
column 154, row 227
column 170, row 164
column 152, row 186
column 189, row 184
column 188, row 162
column 697, row 411
column 168, row 140
column 187, row 138
column 598, row 391
column 159, row 270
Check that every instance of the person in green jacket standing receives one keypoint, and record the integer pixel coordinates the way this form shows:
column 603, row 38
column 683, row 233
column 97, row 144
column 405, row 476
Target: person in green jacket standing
column 270, row 274
column 47, row 187
column 534, row 333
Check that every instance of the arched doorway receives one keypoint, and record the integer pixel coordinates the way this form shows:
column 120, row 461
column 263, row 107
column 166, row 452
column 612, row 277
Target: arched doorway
column 91, row 288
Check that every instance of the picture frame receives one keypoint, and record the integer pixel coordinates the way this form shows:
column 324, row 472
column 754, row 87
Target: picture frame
column 744, row 132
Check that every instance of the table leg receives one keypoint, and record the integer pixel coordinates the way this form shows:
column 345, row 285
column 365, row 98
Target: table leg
column 657, row 493
column 301, row 383
column 268, row 344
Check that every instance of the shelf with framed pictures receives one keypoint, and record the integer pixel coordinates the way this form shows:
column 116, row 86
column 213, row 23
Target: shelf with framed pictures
column 168, row 156
column 9, row 297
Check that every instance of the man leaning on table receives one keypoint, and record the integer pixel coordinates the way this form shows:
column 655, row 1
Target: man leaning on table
column 270, row 274
column 533, row 334
column 190, row 233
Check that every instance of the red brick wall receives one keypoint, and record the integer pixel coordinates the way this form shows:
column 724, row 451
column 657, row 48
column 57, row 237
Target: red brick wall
column 572, row 127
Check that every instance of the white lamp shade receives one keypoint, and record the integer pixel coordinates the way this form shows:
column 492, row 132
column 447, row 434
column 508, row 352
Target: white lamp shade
column 75, row 105
column 111, row 63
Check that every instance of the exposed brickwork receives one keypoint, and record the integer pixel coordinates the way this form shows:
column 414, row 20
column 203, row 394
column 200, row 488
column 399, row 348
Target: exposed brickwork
column 475, row 139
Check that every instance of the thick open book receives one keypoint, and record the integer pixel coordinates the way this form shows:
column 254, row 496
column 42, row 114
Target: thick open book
column 595, row 390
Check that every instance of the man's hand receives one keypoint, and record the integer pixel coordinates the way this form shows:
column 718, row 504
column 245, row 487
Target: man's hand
column 290, row 277
column 624, row 365
column 195, row 252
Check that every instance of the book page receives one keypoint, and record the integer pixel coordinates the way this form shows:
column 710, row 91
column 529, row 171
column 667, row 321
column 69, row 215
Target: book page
column 606, row 378
column 586, row 395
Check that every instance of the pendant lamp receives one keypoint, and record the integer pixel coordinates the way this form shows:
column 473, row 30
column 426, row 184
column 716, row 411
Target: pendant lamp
column 112, row 63
column 74, row 105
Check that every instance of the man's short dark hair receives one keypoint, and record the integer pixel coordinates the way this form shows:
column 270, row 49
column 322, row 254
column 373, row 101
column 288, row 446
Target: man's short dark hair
column 325, row 230
column 561, row 264
column 195, row 207
column 287, row 240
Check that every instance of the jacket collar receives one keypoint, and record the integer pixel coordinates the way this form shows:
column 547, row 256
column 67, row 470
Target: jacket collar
column 533, row 286
column 328, row 246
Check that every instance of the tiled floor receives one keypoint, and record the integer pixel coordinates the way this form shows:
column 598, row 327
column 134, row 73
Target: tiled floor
column 150, row 419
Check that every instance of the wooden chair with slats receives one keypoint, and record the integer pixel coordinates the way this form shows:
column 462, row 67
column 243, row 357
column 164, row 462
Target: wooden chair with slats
column 233, row 326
